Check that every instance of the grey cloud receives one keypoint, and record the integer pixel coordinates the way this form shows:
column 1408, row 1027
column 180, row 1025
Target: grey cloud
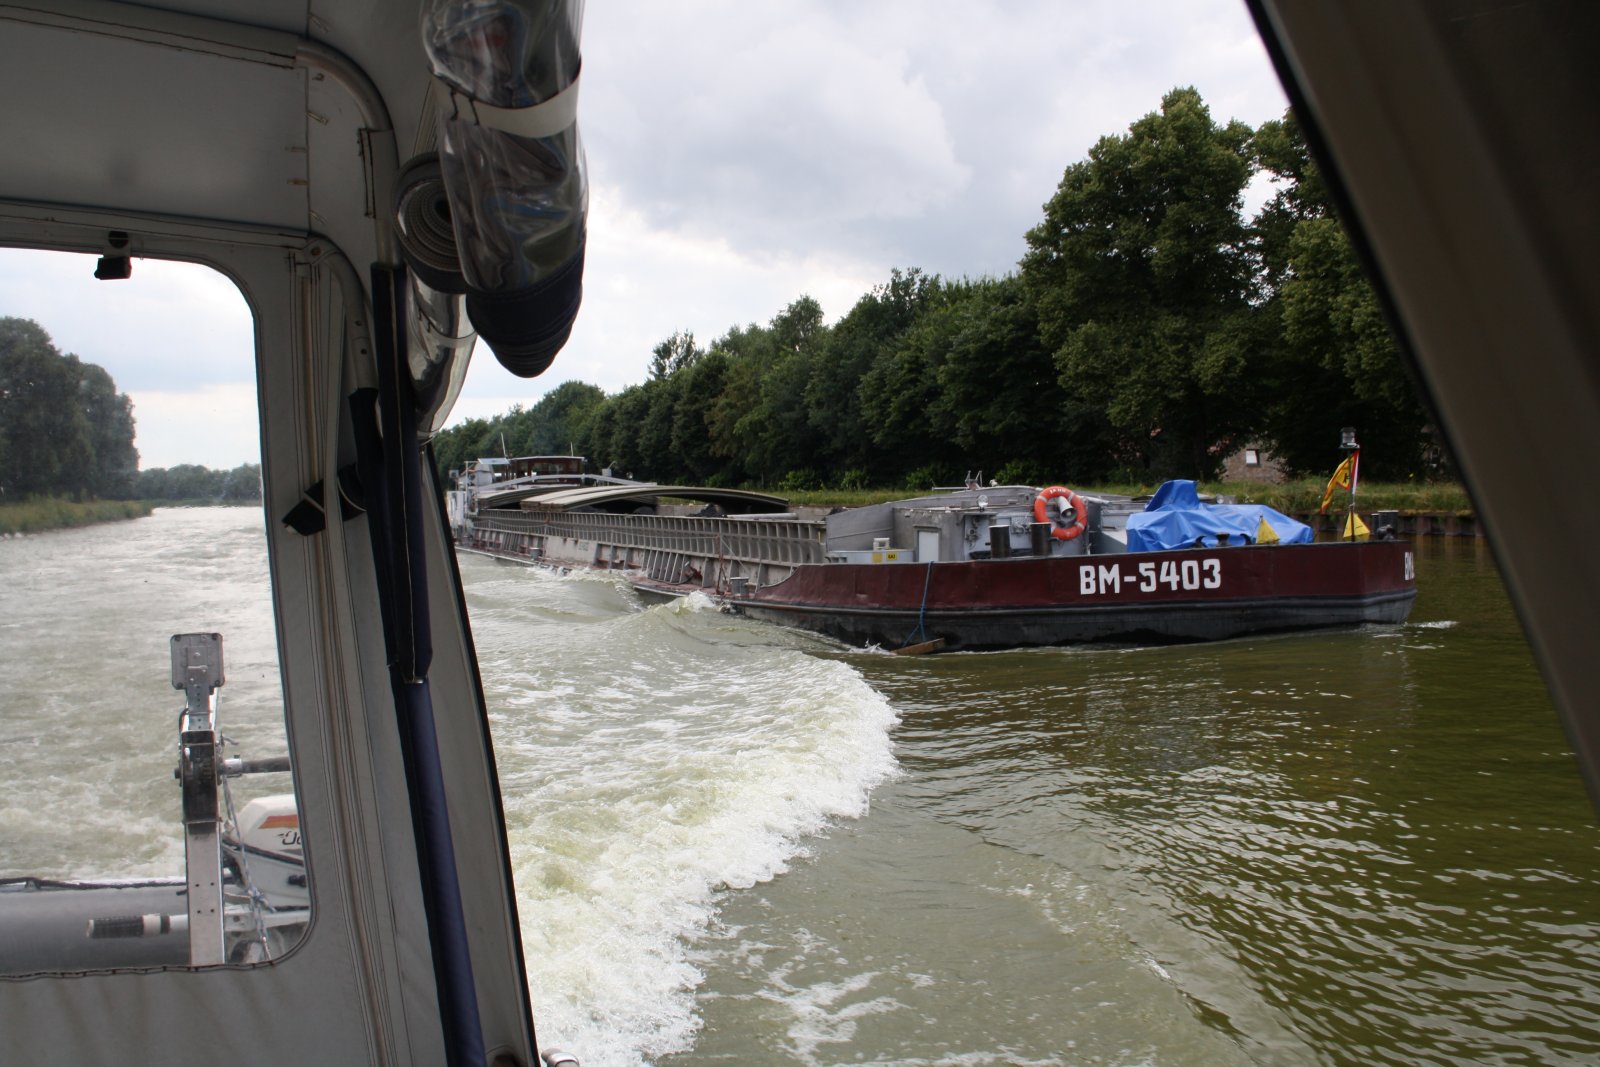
column 905, row 134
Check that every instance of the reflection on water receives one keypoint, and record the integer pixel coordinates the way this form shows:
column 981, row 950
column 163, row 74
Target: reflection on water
column 1358, row 847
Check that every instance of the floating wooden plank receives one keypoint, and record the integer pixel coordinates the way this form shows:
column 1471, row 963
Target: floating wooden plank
column 921, row 647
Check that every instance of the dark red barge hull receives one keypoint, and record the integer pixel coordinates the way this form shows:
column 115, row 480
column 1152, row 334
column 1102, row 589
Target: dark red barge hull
column 1187, row 595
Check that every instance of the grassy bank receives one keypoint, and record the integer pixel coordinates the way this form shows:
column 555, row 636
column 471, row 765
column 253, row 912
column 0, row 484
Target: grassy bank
column 1431, row 498
column 51, row 513
column 1296, row 497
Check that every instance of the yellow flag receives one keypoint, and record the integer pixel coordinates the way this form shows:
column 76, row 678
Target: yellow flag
column 1355, row 529
column 1344, row 477
column 1265, row 534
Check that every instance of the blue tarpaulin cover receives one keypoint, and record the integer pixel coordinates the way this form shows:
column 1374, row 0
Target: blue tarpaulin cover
column 1175, row 518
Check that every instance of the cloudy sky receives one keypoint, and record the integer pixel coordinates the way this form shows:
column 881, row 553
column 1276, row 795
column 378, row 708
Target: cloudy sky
column 740, row 155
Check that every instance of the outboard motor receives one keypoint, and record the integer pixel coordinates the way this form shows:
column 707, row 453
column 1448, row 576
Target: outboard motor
column 498, row 214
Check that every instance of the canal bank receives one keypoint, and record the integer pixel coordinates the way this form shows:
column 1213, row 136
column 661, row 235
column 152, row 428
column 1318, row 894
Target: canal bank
column 1406, row 524
column 54, row 513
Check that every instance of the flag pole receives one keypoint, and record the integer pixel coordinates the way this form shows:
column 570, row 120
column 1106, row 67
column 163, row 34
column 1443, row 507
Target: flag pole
column 1347, row 441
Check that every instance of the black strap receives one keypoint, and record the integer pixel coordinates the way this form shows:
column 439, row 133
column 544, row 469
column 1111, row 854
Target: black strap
column 388, row 460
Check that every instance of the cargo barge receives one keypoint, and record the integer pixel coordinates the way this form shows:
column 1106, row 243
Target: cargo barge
column 970, row 568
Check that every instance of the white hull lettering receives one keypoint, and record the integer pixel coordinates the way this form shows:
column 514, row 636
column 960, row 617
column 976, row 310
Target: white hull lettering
column 1150, row 576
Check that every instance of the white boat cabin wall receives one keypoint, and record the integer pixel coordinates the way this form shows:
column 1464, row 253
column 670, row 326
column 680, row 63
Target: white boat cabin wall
column 289, row 148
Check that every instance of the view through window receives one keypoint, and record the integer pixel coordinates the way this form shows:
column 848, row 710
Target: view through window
column 114, row 411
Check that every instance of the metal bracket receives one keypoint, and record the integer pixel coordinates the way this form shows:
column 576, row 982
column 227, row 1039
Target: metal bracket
column 197, row 670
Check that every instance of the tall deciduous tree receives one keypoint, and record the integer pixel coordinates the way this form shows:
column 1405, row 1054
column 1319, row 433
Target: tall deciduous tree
column 874, row 325
column 1001, row 394
column 777, row 432
column 901, row 395
column 732, row 437
column 108, row 416
column 691, row 443
column 1141, row 273
column 1335, row 361
column 64, row 428
column 676, row 353
column 556, row 423
column 452, row 447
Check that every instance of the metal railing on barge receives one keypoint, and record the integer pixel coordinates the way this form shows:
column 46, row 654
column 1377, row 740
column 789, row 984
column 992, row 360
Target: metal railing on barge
column 671, row 549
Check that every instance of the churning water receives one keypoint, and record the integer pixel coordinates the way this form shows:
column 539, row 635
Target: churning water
column 736, row 843
column 652, row 760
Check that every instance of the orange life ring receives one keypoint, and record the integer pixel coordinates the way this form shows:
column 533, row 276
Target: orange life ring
column 1080, row 513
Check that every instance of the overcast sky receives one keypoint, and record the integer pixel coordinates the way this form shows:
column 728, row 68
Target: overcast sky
column 740, row 155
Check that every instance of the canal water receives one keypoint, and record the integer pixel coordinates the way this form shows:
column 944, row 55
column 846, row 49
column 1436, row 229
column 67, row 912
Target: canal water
column 736, row 843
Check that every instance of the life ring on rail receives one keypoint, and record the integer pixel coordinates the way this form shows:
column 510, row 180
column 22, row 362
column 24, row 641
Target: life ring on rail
column 1080, row 512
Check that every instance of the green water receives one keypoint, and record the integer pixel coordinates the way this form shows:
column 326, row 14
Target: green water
column 1339, row 848
column 1363, row 847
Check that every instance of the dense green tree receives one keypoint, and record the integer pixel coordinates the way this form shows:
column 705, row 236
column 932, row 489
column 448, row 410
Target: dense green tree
column 676, row 353
column 557, row 422
column 660, row 405
column 108, row 416
column 595, row 444
column 1141, row 273
column 617, row 433
column 833, row 398
column 701, row 385
column 452, row 446
column 1000, row 393
column 240, row 485
column 1335, row 362
column 900, row 395
column 60, row 420
column 1280, row 151
column 799, row 328
column 194, row 484
column 765, row 398
column 729, row 437
column 1334, row 328
column 788, row 439
column 1149, row 330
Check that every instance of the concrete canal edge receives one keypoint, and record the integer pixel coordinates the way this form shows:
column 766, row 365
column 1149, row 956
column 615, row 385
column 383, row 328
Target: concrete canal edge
column 1410, row 524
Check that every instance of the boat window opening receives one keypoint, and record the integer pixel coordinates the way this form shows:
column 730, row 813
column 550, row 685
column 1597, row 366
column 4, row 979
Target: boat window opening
column 149, row 818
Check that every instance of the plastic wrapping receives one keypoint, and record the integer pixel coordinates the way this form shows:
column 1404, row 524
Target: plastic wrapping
column 427, row 234
column 513, row 167
column 438, row 351
column 1175, row 518
column 440, row 337
column 508, row 53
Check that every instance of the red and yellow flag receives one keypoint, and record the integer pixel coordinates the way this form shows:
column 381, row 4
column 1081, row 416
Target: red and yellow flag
column 1344, row 477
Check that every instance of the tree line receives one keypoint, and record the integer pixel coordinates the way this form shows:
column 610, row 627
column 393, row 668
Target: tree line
column 188, row 483
column 1149, row 331
column 64, row 428
column 65, row 431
